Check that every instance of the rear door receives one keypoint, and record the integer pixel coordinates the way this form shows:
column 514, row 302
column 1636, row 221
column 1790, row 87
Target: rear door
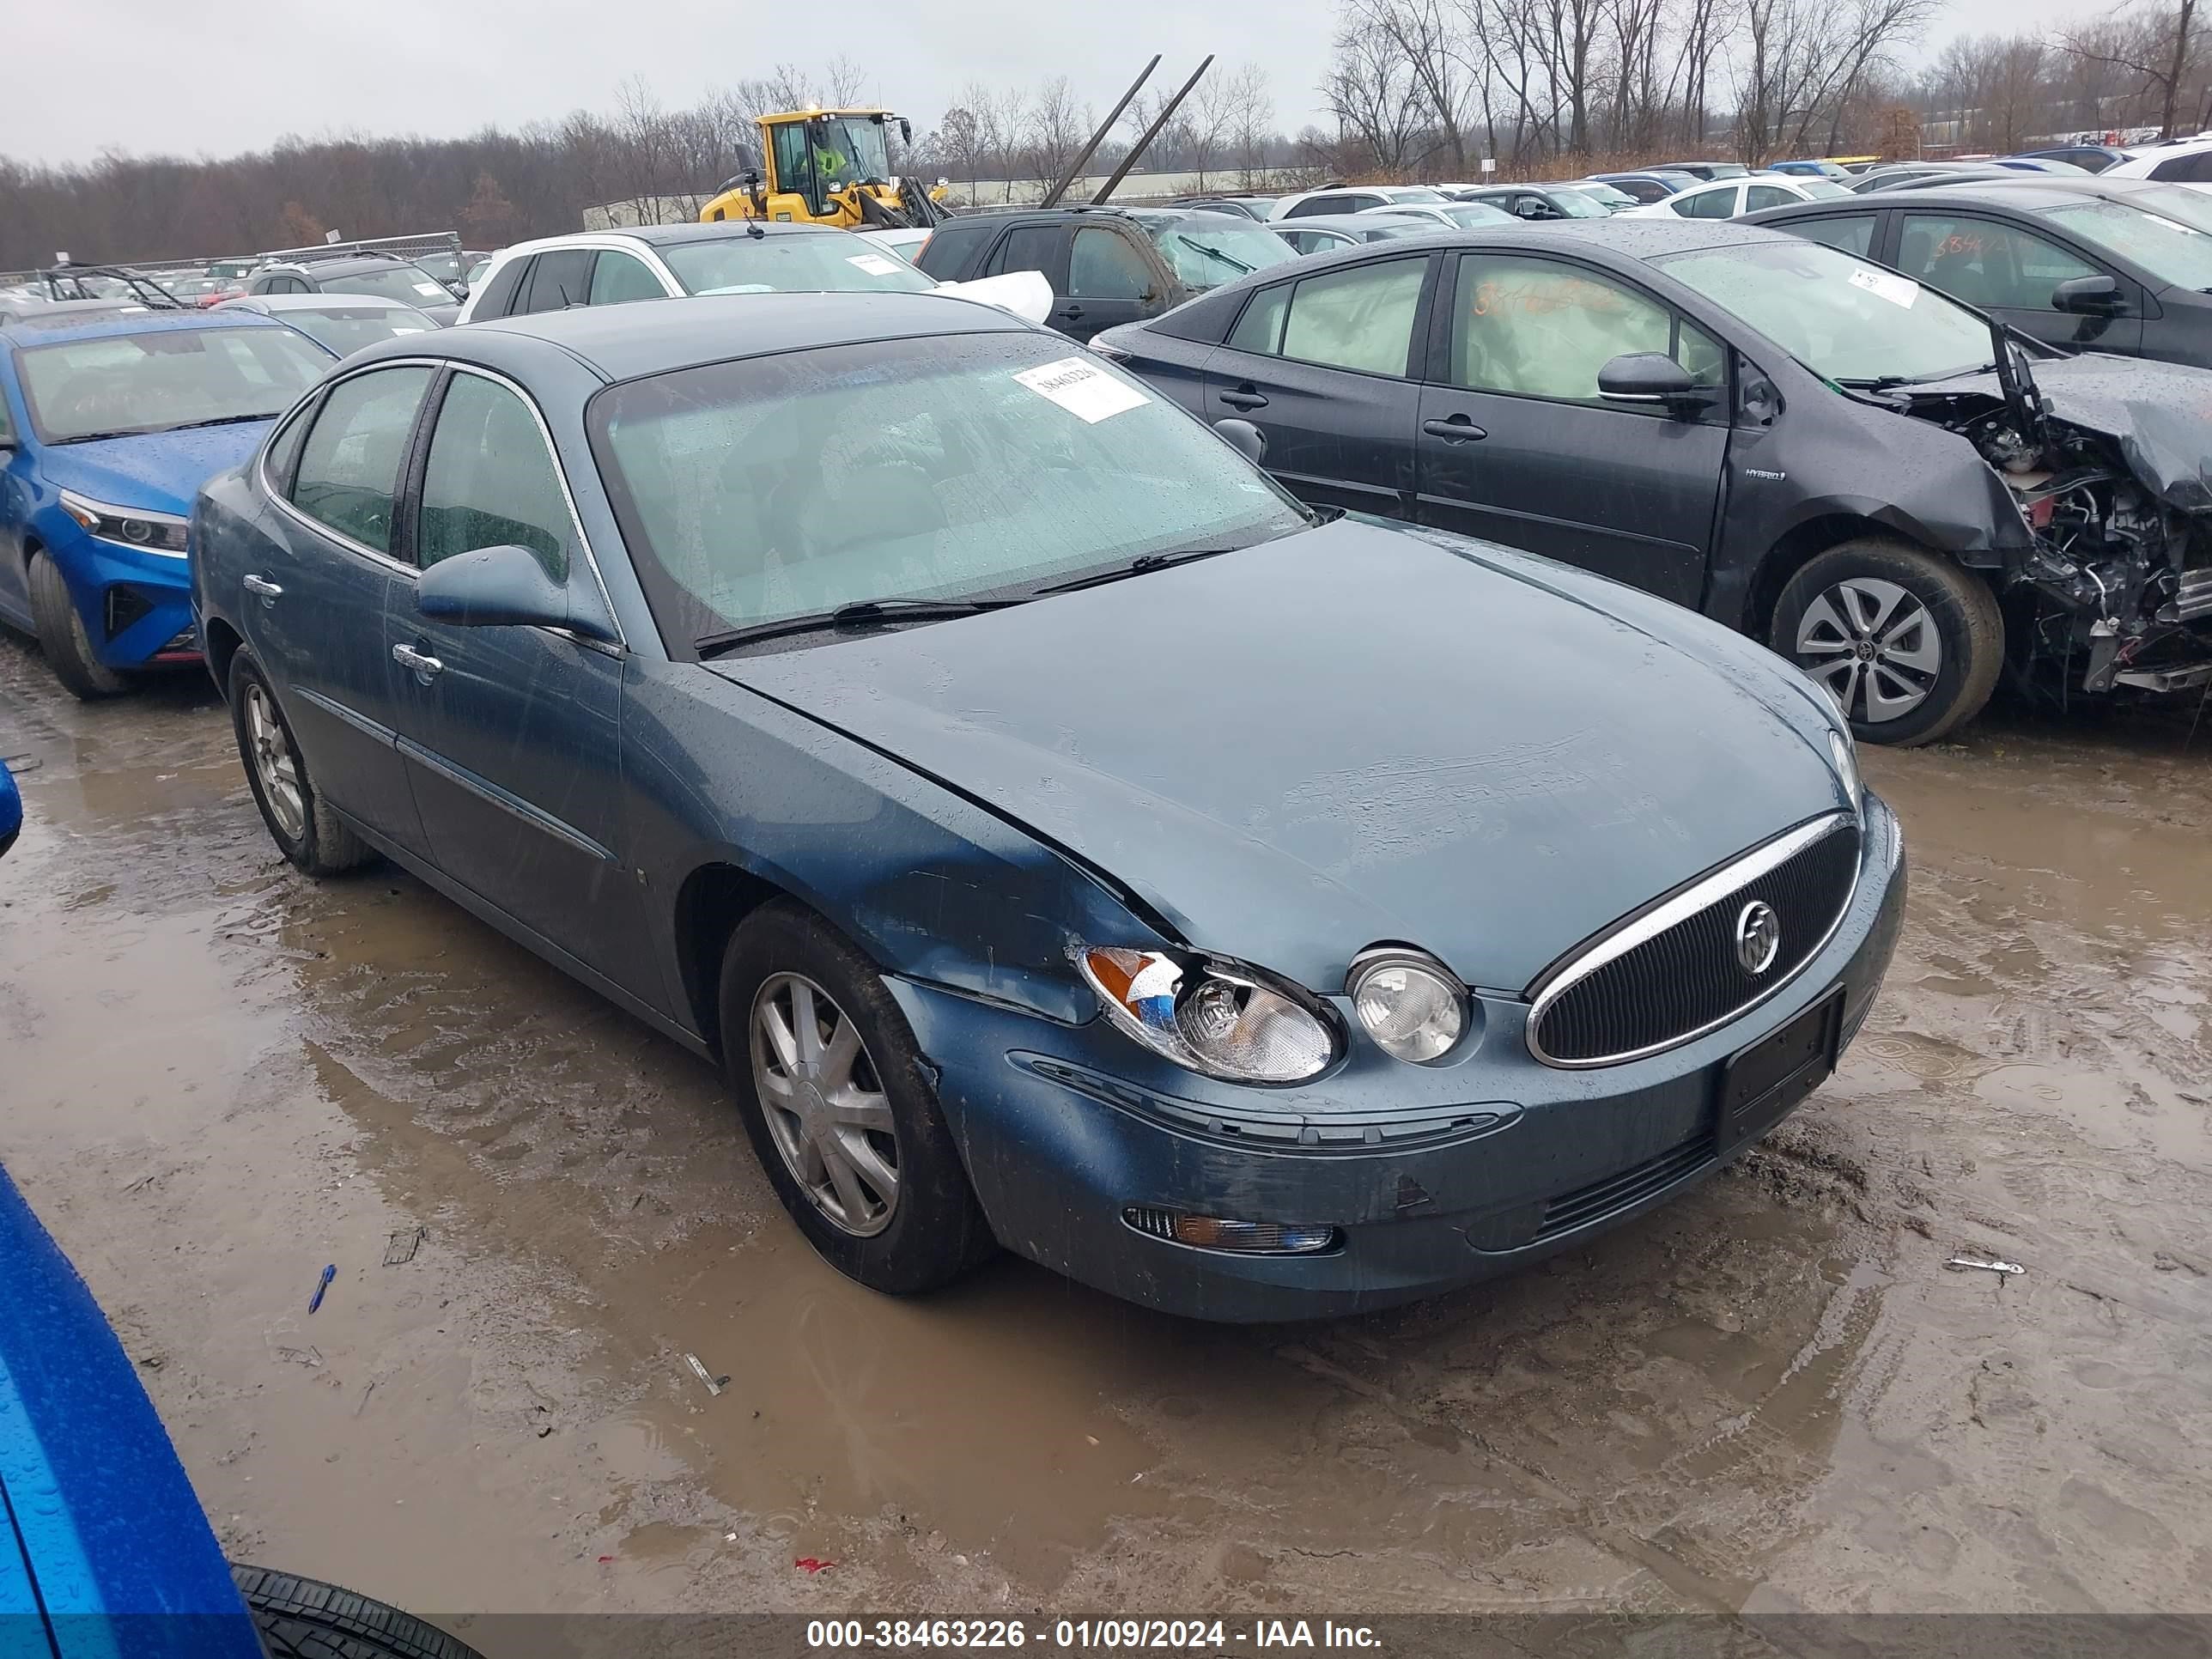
column 1516, row 445
column 2009, row 271
column 314, row 608
column 511, row 735
column 1323, row 367
column 1110, row 281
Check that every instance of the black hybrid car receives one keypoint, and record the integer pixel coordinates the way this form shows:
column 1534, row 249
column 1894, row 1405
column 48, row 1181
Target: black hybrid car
column 2119, row 264
column 1880, row 482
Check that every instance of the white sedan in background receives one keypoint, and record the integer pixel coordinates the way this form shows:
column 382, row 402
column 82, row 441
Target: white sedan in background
column 1724, row 198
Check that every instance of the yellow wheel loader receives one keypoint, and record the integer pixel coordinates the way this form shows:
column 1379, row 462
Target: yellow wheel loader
column 827, row 166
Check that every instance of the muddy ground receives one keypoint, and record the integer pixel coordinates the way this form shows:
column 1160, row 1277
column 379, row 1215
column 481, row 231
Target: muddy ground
column 218, row 1077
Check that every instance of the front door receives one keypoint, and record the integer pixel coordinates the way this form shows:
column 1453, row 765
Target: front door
column 1516, row 445
column 512, row 735
column 314, row 605
column 1320, row 366
column 2010, row 273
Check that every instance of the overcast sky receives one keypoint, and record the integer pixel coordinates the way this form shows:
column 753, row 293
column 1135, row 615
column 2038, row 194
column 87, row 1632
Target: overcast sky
column 171, row 76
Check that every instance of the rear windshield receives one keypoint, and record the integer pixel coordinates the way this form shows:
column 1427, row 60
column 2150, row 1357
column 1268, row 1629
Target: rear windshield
column 347, row 329
column 940, row 468
column 825, row 263
column 124, row 384
column 408, row 283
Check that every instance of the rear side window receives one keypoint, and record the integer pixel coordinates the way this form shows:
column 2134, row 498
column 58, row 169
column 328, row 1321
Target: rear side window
column 949, row 249
column 283, row 448
column 1103, row 265
column 1361, row 318
column 558, row 279
column 2186, row 169
column 349, row 464
column 1706, row 203
column 1765, row 196
column 497, row 296
column 491, row 482
column 617, row 278
column 1852, row 232
column 1027, row 247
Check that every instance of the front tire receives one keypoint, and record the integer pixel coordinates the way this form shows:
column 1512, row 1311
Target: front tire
column 306, row 1619
column 301, row 824
column 841, row 1107
column 1909, row 644
column 62, row 638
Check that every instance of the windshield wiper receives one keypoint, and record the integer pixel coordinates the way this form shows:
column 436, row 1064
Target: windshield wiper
column 860, row 613
column 219, row 420
column 1230, row 261
column 1888, row 382
column 1143, row 563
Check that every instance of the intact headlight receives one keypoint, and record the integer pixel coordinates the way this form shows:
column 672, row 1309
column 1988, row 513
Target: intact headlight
column 1411, row 1003
column 1220, row 1019
column 155, row 532
column 1846, row 754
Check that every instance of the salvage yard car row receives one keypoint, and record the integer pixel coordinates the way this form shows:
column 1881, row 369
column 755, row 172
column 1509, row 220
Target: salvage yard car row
column 1065, row 824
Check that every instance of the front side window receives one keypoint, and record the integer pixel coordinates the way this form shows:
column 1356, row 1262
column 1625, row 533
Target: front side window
column 1842, row 318
column 1541, row 328
column 348, row 471
column 618, row 278
column 1361, row 318
column 943, row 467
column 1983, row 262
column 795, row 262
column 490, row 481
column 1104, row 265
column 122, row 385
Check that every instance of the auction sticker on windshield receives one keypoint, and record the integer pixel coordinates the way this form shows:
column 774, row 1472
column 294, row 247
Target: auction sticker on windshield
column 1898, row 291
column 875, row 265
column 1087, row 392
column 426, row 287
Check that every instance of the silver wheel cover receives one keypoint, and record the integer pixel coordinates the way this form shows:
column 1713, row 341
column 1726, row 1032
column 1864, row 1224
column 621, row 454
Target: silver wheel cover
column 1872, row 647
column 824, row 1103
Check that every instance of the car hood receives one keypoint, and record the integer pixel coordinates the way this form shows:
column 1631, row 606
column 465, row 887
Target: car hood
column 1349, row 735
column 160, row 471
column 2156, row 414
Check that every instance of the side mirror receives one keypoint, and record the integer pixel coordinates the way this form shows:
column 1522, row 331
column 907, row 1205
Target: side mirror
column 500, row 587
column 1651, row 377
column 2089, row 296
column 1245, row 439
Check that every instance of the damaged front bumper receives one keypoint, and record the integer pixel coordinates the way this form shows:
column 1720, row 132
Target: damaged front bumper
column 1423, row 1178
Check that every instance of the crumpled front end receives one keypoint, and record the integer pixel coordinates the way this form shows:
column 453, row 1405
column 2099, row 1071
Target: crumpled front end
column 2111, row 473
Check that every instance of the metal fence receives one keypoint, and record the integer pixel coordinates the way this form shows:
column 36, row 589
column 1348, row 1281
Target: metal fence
column 446, row 243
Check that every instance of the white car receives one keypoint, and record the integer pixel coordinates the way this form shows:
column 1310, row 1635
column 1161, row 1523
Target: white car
column 1351, row 198
column 906, row 242
column 1455, row 216
column 2189, row 163
column 1724, row 198
column 669, row 261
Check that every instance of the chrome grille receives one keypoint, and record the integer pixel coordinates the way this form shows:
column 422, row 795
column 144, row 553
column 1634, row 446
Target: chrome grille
column 2194, row 598
column 1671, row 972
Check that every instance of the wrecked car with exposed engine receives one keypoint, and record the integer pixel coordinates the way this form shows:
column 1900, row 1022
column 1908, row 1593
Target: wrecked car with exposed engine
column 1882, row 483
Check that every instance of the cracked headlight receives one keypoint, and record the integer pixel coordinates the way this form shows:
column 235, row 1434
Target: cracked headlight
column 1219, row 1019
column 1845, row 755
column 153, row 532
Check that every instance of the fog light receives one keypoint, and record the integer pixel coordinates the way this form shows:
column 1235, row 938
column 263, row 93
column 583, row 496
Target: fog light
column 1410, row 1004
column 1209, row 1232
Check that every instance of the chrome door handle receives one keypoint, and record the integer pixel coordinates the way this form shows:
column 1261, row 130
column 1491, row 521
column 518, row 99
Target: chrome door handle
column 270, row 593
column 425, row 668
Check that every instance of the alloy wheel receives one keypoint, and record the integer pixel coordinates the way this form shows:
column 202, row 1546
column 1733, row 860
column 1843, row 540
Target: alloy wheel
column 824, row 1104
column 275, row 764
column 1873, row 647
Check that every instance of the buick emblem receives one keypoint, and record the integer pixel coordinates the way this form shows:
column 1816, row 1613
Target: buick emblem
column 1758, row 938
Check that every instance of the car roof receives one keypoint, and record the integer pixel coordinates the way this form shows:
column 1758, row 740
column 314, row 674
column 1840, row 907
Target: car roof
column 51, row 328
column 283, row 302
column 621, row 343
column 1365, row 219
column 2028, row 191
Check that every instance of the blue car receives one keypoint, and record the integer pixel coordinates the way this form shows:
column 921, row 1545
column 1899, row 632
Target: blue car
column 104, row 1549
column 1061, row 836
column 11, row 811
column 109, row 424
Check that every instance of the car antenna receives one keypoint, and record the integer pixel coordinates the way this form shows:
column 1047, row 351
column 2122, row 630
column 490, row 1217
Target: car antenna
column 753, row 229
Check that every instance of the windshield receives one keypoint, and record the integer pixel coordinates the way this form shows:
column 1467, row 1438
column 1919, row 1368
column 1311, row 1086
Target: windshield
column 1414, row 193
column 2169, row 236
column 815, row 262
column 1205, row 254
column 153, row 382
column 346, row 329
column 1476, row 213
column 940, row 468
column 1818, row 188
column 848, row 147
column 410, row 284
column 1842, row 318
column 1607, row 194
column 1576, row 205
column 446, row 267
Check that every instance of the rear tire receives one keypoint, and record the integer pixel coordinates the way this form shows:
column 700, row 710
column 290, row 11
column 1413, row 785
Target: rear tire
column 301, row 824
column 62, row 638
column 306, row 1619
column 927, row 1229
column 1909, row 643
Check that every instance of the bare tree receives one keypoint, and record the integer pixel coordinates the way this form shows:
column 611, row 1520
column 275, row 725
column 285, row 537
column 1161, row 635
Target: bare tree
column 2151, row 50
column 1055, row 130
column 1372, row 93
